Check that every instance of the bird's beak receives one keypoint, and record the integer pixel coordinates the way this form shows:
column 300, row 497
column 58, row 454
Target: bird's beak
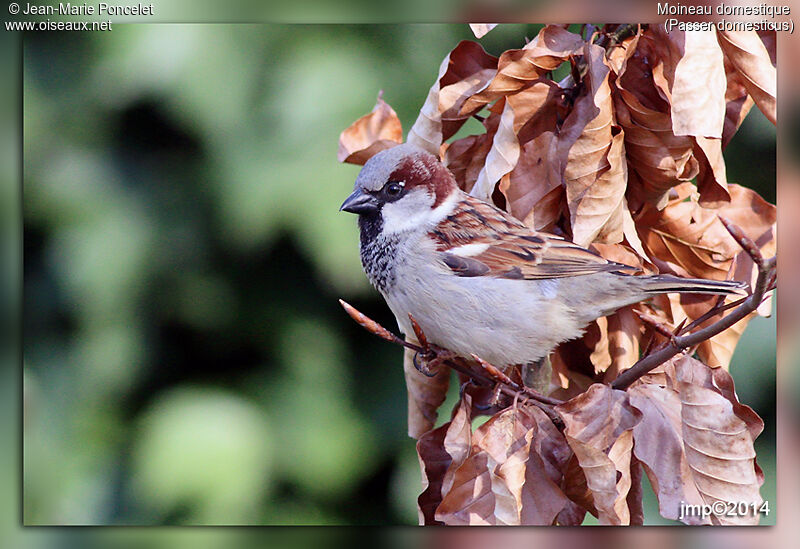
column 359, row 203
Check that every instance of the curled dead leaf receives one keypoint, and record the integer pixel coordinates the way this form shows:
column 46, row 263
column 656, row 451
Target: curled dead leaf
column 466, row 157
column 689, row 240
column 517, row 68
column 370, row 134
column 481, row 29
column 425, row 395
column 749, row 55
column 466, row 70
column 591, row 155
column 512, row 474
column 525, row 115
column 697, row 89
column 717, row 439
column 441, row 451
column 599, row 428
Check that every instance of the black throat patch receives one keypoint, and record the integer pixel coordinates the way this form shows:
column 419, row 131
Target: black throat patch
column 377, row 251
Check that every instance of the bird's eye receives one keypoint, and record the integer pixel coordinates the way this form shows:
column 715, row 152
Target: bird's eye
column 393, row 188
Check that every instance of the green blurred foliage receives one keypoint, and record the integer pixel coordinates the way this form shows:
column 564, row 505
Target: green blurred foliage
column 186, row 360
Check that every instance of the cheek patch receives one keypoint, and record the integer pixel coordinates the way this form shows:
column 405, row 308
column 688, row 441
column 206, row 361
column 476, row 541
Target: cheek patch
column 413, row 211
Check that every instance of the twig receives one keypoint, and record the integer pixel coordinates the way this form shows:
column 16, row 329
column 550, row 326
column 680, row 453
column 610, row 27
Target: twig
column 494, row 377
column 764, row 282
column 374, row 328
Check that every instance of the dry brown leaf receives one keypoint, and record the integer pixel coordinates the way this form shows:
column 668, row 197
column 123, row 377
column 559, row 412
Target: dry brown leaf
column 533, row 190
column 596, row 200
column 370, row 134
column 686, row 239
column 470, row 71
column 738, row 103
column 458, row 439
column 576, row 489
column 505, row 480
column 712, row 181
column 618, row 55
column 517, row 68
column 525, row 115
column 433, row 462
column 770, row 39
column 465, row 157
column 634, row 499
column 481, row 29
column 698, row 89
column 464, row 71
column 591, row 153
column 718, row 441
column 689, row 240
column 658, row 444
column 748, row 53
column 625, row 331
column 653, row 151
column 599, row 428
column 425, row 395
column 690, row 76
column 439, row 451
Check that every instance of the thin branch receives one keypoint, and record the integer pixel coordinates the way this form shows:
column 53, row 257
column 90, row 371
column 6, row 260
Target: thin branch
column 764, row 282
column 374, row 328
column 489, row 374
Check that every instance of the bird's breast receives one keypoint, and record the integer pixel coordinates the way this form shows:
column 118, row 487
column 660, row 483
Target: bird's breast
column 378, row 253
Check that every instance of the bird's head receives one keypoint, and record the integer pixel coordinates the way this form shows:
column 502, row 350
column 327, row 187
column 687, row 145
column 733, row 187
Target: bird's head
column 403, row 185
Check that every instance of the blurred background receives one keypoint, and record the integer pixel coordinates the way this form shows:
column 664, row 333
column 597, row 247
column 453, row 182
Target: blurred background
column 185, row 357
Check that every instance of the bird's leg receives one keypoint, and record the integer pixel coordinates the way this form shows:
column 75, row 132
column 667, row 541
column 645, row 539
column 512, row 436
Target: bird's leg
column 536, row 375
column 431, row 355
column 428, row 360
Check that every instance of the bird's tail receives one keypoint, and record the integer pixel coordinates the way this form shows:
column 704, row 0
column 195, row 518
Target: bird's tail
column 663, row 284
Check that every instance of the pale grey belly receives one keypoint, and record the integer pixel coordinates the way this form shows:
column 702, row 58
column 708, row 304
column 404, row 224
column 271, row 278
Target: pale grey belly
column 503, row 321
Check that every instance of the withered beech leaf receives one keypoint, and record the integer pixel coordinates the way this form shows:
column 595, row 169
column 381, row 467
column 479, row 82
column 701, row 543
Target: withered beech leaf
column 433, row 462
column 370, row 134
column 505, row 480
column 533, row 189
column 689, row 240
column 481, row 29
column 465, row 157
column 464, row 71
column 686, row 239
column 591, row 151
column 599, row 428
column 770, row 38
column 618, row 55
column 660, row 158
column 578, row 492
column 690, row 76
column 528, row 112
column 698, row 90
column 718, row 442
column 624, row 333
column 458, row 439
column 470, row 71
column 712, row 181
column 517, row 68
column 658, row 444
column 749, row 55
column 738, row 103
column 425, row 395
column 634, row 498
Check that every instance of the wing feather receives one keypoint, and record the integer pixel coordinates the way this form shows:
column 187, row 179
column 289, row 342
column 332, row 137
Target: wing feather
column 512, row 249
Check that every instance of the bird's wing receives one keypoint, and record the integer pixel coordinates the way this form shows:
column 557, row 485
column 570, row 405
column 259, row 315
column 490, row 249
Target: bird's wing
column 478, row 239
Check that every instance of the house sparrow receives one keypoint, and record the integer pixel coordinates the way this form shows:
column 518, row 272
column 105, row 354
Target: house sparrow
column 476, row 279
